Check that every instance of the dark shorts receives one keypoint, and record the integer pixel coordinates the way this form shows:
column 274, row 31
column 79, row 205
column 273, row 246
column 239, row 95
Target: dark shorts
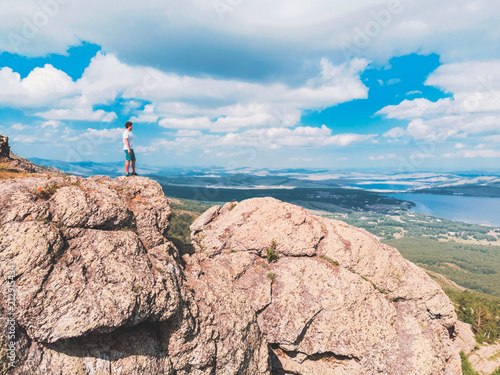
column 131, row 156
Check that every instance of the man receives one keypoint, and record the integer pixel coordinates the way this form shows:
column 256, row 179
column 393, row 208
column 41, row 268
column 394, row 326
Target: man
column 128, row 146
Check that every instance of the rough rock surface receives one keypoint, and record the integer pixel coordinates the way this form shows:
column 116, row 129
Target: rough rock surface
column 337, row 301
column 101, row 290
column 486, row 359
column 465, row 340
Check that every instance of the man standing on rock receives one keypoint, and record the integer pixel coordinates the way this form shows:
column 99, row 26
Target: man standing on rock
column 128, row 146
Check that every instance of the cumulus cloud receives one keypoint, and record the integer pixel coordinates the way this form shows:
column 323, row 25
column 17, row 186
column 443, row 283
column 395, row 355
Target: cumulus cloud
column 51, row 123
column 220, row 105
column 408, row 109
column 472, row 110
column 397, row 132
column 147, row 115
column 42, row 87
column 80, row 114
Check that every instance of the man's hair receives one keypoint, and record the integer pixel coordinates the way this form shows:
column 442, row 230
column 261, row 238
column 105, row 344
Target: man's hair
column 128, row 124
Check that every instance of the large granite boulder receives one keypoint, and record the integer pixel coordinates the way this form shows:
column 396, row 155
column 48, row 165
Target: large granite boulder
column 100, row 289
column 337, row 301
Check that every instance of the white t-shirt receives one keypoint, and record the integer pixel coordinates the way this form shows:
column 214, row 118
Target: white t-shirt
column 128, row 135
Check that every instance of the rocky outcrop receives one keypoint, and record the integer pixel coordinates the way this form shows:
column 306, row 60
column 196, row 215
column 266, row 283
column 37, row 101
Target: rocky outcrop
column 337, row 301
column 4, row 147
column 20, row 165
column 101, row 290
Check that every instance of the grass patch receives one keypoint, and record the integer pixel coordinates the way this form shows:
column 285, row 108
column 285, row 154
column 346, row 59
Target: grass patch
column 466, row 366
column 272, row 255
column 330, row 260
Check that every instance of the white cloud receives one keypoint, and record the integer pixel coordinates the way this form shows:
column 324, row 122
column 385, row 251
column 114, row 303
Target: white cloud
column 395, row 133
column 414, row 28
column 180, row 101
column 52, row 123
column 393, row 81
column 492, row 138
column 79, row 114
column 186, row 123
column 25, row 139
column 103, row 134
column 145, row 149
column 188, row 133
column 20, row 126
column 408, row 109
column 263, row 138
column 422, row 156
column 148, row 115
column 473, row 109
column 42, row 87
column 470, row 154
column 460, row 145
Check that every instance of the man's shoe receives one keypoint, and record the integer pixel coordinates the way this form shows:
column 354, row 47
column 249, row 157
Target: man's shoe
column 134, row 174
column 128, row 175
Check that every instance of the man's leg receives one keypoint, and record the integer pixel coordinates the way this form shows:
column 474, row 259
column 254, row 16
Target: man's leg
column 133, row 166
column 127, row 164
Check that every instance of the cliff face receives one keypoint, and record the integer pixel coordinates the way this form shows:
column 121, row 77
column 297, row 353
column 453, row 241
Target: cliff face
column 100, row 289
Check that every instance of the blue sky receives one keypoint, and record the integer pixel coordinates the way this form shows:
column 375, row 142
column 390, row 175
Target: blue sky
column 394, row 85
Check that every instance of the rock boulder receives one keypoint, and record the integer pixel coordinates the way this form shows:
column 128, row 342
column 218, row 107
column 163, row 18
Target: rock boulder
column 4, row 147
column 100, row 289
column 337, row 301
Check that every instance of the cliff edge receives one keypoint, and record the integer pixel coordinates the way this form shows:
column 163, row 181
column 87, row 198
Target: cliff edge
column 267, row 289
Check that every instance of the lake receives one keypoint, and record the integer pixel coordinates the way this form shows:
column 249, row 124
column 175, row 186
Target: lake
column 474, row 210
